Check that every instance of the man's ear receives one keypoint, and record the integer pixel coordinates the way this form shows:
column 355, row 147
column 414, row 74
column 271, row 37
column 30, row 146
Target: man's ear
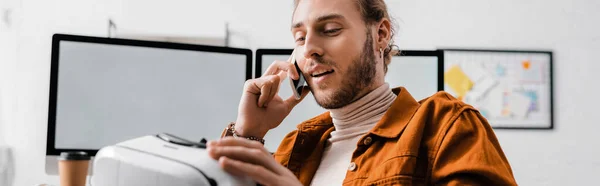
column 384, row 32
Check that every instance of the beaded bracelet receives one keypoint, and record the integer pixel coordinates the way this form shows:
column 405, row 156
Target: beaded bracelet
column 231, row 129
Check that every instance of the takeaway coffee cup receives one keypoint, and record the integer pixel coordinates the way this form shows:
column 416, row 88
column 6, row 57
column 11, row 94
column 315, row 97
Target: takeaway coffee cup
column 73, row 168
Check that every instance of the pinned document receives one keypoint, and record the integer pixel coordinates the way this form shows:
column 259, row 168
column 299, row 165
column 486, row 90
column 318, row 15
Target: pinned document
column 456, row 78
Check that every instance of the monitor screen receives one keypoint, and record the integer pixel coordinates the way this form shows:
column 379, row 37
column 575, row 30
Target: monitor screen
column 104, row 91
column 417, row 71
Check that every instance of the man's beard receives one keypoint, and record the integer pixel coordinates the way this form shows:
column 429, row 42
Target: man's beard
column 360, row 76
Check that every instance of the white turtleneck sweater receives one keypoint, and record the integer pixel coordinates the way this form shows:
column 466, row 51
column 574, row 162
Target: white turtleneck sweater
column 351, row 122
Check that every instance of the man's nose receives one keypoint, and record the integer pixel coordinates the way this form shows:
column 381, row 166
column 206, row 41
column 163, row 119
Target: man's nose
column 312, row 47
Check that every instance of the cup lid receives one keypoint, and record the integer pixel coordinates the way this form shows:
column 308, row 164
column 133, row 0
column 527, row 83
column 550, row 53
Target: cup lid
column 74, row 155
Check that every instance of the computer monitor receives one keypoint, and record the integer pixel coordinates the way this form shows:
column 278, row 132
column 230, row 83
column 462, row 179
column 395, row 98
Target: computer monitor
column 418, row 71
column 104, row 91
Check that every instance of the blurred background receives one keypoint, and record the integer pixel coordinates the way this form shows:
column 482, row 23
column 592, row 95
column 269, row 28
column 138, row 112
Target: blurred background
column 566, row 155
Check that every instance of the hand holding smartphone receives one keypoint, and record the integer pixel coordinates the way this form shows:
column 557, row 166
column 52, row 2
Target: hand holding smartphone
column 297, row 85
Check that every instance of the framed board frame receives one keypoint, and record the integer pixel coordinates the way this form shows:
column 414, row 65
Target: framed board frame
column 513, row 89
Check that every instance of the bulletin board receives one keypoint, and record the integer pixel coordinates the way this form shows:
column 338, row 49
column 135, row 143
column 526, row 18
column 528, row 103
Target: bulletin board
column 511, row 89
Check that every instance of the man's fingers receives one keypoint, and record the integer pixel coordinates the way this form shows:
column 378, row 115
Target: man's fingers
column 257, row 173
column 274, row 82
column 282, row 75
column 233, row 141
column 247, row 155
column 239, row 157
column 291, row 102
column 265, row 88
column 244, row 150
column 229, row 165
column 240, row 153
column 273, row 91
column 265, row 91
column 280, row 66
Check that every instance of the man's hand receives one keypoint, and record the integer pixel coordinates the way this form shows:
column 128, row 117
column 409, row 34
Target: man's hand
column 243, row 157
column 261, row 108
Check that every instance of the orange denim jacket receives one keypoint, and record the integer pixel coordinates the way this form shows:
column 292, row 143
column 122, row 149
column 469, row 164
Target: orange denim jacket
column 436, row 141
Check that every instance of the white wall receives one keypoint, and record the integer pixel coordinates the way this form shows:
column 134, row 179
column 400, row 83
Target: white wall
column 25, row 89
column 563, row 156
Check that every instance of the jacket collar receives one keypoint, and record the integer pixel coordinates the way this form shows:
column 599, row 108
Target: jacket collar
column 391, row 124
column 397, row 116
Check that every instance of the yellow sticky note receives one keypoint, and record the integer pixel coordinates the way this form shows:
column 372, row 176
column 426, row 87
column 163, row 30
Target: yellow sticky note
column 458, row 81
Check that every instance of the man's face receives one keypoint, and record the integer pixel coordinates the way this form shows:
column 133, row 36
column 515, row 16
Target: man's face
column 334, row 49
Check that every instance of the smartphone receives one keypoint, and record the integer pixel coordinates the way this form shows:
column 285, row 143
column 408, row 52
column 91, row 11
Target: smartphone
column 297, row 85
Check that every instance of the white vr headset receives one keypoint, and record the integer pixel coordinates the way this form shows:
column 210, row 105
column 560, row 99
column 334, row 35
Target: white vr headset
column 160, row 160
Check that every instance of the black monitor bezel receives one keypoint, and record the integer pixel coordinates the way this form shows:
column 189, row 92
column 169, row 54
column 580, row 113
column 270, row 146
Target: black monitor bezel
column 57, row 38
column 429, row 53
column 261, row 52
